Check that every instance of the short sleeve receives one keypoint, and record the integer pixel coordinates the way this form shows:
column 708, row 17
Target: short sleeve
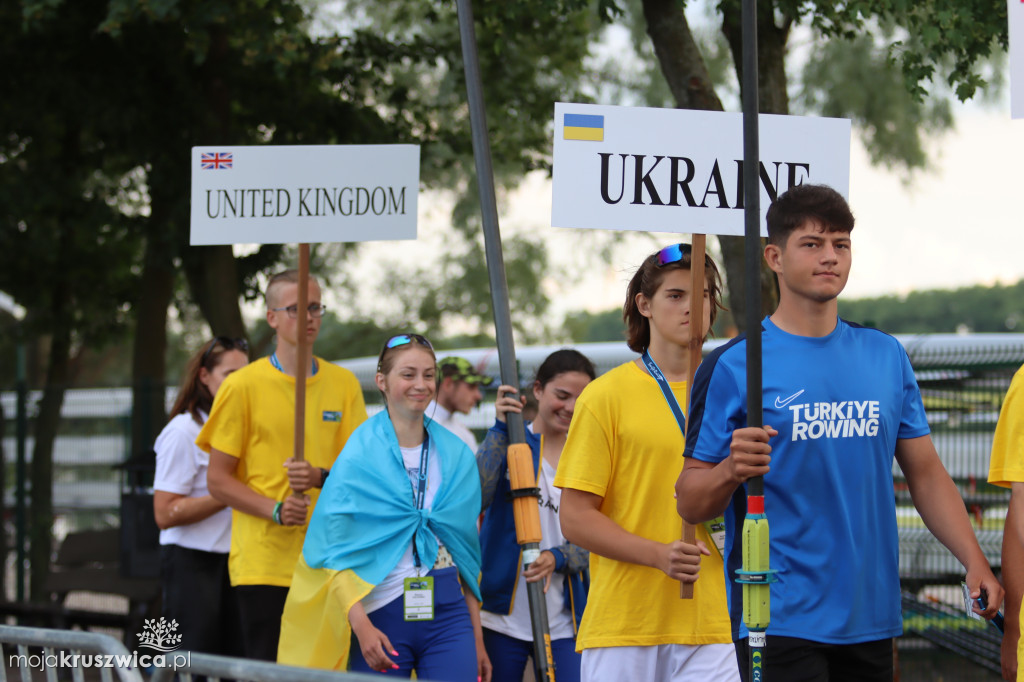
column 586, row 461
column 356, row 412
column 175, row 460
column 717, row 408
column 1007, row 463
column 227, row 424
column 913, row 419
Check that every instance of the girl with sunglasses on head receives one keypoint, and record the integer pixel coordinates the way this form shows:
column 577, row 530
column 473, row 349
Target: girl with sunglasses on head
column 387, row 579
column 617, row 471
column 508, row 634
column 195, row 529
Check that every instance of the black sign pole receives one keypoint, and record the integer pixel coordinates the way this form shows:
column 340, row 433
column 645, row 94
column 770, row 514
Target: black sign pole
column 756, row 574
column 527, row 516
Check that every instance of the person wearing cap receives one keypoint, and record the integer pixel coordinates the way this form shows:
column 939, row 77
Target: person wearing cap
column 458, row 390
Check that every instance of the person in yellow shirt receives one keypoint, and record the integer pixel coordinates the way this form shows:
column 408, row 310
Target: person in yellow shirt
column 617, row 472
column 1006, row 469
column 250, row 438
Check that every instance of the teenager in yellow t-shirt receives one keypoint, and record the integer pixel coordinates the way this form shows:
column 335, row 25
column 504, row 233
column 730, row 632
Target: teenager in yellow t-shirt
column 250, row 438
column 1006, row 469
column 617, row 473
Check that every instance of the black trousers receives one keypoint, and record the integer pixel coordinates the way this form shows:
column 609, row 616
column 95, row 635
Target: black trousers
column 801, row 660
column 197, row 593
column 261, row 607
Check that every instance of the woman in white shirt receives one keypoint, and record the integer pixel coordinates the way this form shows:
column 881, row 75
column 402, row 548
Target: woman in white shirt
column 195, row 529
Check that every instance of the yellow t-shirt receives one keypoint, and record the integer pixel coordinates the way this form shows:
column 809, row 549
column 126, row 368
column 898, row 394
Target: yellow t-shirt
column 625, row 445
column 1007, row 463
column 253, row 419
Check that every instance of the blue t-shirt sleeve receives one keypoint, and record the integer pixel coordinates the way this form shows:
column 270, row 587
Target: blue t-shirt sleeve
column 718, row 406
column 913, row 420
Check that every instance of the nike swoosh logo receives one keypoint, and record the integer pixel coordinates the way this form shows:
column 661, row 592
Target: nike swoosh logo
column 780, row 403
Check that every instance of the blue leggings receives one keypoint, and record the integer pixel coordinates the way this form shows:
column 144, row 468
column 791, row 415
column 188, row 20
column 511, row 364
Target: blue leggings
column 508, row 657
column 442, row 649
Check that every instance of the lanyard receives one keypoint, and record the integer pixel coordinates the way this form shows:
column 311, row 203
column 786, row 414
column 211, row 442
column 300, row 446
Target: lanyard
column 670, row 397
column 277, row 364
column 421, row 489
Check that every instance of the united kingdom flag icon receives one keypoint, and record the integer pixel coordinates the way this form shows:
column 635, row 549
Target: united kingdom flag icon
column 216, row 160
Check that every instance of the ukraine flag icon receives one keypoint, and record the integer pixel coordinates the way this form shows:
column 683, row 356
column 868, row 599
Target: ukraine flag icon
column 583, row 127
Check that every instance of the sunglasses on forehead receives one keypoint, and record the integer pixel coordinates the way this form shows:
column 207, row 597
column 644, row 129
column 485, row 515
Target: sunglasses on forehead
column 227, row 343
column 403, row 339
column 400, row 340
column 674, row 254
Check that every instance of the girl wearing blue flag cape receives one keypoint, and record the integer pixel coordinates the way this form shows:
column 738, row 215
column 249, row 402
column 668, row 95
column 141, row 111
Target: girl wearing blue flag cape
column 387, row 580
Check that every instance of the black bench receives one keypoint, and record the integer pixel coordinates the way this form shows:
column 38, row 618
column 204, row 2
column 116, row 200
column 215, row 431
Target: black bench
column 89, row 561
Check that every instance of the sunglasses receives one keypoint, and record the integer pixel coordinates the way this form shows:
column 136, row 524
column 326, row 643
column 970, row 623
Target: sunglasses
column 227, row 343
column 673, row 254
column 402, row 340
column 314, row 310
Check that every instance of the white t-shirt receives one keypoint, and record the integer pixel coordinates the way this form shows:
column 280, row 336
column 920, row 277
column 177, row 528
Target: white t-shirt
column 449, row 421
column 181, row 469
column 517, row 623
column 392, row 586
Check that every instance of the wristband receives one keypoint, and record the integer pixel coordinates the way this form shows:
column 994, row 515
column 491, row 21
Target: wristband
column 277, row 513
column 324, row 473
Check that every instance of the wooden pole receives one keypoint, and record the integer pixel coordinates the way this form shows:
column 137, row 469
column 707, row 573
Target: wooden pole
column 302, row 355
column 697, row 284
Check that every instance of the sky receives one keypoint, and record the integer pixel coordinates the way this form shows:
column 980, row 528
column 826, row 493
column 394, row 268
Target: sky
column 961, row 223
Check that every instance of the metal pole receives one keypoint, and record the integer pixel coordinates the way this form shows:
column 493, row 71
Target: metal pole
column 543, row 664
column 756, row 575
column 21, row 386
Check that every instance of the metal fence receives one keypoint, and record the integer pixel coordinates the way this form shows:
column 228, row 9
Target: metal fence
column 963, row 380
column 50, row 654
column 53, row 654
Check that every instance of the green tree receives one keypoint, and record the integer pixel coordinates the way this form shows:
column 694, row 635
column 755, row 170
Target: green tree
column 978, row 309
column 873, row 62
column 59, row 223
column 109, row 96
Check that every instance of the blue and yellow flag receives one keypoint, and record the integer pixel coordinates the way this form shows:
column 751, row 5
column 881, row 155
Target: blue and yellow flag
column 363, row 522
column 583, row 127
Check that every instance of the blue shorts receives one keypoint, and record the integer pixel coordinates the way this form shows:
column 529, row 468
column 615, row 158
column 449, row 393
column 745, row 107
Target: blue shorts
column 442, row 649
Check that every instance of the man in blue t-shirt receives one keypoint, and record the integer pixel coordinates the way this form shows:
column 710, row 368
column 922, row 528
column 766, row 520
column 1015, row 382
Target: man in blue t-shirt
column 839, row 402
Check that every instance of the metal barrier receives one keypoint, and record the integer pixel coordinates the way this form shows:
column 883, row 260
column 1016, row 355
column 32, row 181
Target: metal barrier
column 216, row 668
column 949, row 629
column 66, row 651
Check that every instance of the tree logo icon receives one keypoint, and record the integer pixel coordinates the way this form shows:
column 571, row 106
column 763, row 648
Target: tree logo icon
column 160, row 635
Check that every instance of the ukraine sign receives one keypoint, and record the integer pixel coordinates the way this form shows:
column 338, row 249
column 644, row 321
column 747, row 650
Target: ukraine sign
column 677, row 170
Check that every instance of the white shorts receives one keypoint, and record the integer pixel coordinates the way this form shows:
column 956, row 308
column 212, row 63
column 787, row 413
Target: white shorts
column 660, row 663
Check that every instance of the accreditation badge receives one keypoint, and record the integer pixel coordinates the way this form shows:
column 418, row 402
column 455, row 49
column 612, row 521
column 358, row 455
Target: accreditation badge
column 716, row 529
column 418, row 598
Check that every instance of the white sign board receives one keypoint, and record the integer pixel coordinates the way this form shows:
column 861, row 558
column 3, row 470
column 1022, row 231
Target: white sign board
column 304, row 194
column 1015, row 14
column 677, row 170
